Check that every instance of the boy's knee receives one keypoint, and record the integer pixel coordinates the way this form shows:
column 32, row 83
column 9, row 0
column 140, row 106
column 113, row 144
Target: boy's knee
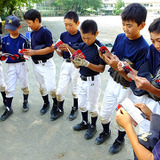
column 53, row 93
column 43, row 92
column 25, row 90
column 74, row 95
column 83, row 109
column 104, row 120
column 2, row 88
column 59, row 97
column 94, row 114
column 9, row 93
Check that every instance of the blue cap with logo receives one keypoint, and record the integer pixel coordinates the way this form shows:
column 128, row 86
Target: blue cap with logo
column 12, row 22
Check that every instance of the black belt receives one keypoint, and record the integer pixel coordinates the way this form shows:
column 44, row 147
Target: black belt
column 40, row 61
column 87, row 78
column 67, row 60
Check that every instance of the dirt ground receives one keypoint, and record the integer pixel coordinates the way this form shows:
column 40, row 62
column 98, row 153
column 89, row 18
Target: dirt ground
column 31, row 136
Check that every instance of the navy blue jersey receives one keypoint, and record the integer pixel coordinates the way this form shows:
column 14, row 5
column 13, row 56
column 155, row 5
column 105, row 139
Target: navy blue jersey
column 72, row 40
column 156, row 151
column 0, row 42
column 14, row 45
column 153, row 57
column 134, row 50
column 92, row 55
column 41, row 37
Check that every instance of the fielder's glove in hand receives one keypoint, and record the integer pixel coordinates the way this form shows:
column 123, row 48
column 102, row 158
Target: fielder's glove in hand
column 80, row 62
column 156, row 83
column 119, row 78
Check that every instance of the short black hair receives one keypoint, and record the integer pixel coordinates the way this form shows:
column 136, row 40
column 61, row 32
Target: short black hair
column 89, row 26
column 134, row 12
column 72, row 15
column 32, row 14
column 155, row 26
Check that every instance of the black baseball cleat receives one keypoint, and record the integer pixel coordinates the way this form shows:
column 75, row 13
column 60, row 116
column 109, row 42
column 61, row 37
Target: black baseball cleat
column 116, row 146
column 55, row 114
column 102, row 137
column 54, row 108
column 81, row 126
column 6, row 114
column 91, row 131
column 25, row 106
column 45, row 108
column 73, row 114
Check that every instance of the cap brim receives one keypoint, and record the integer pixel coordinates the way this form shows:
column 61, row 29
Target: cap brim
column 11, row 27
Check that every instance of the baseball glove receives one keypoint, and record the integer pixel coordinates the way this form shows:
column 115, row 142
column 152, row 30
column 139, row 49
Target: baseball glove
column 118, row 77
column 156, row 83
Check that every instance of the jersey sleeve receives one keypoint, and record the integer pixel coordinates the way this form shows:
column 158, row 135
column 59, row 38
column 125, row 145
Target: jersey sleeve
column 156, row 151
column 48, row 41
column 114, row 45
column 26, row 44
column 61, row 37
column 3, row 45
column 141, row 56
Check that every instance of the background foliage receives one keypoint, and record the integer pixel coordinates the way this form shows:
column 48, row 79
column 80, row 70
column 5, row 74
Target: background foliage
column 8, row 6
column 118, row 7
column 78, row 5
column 59, row 7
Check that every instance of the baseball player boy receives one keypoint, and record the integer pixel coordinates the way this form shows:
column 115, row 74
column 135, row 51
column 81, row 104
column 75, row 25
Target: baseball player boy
column 147, row 79
column 145, row 83
column 41, row 54
column 68, row 73
column 17, row 66
column 147, row 145
column 153, row 59
column 129, row 45
column 2, row 83
column 89, row 82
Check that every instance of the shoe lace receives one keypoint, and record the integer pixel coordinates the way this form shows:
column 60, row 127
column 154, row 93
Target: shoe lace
column 116, row 143
column 73, row 110
column 84, row 122
column 102, row 134
column 7, row 110
column 91, row 129
column 45, row 105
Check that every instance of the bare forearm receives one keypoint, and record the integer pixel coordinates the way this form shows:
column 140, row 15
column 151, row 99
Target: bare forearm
column 141, row 152
column 97, row 68
column 154, row 90
column 71, row 49
column 43, row 51
column 124, row 76
column 59, row 53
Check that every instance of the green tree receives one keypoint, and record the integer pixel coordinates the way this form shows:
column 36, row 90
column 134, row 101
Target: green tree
column 8, row 6
column 118, row 6
column 77, row 5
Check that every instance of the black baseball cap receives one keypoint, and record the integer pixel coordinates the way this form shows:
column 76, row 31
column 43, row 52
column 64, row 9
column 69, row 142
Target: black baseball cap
column 12, row 22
